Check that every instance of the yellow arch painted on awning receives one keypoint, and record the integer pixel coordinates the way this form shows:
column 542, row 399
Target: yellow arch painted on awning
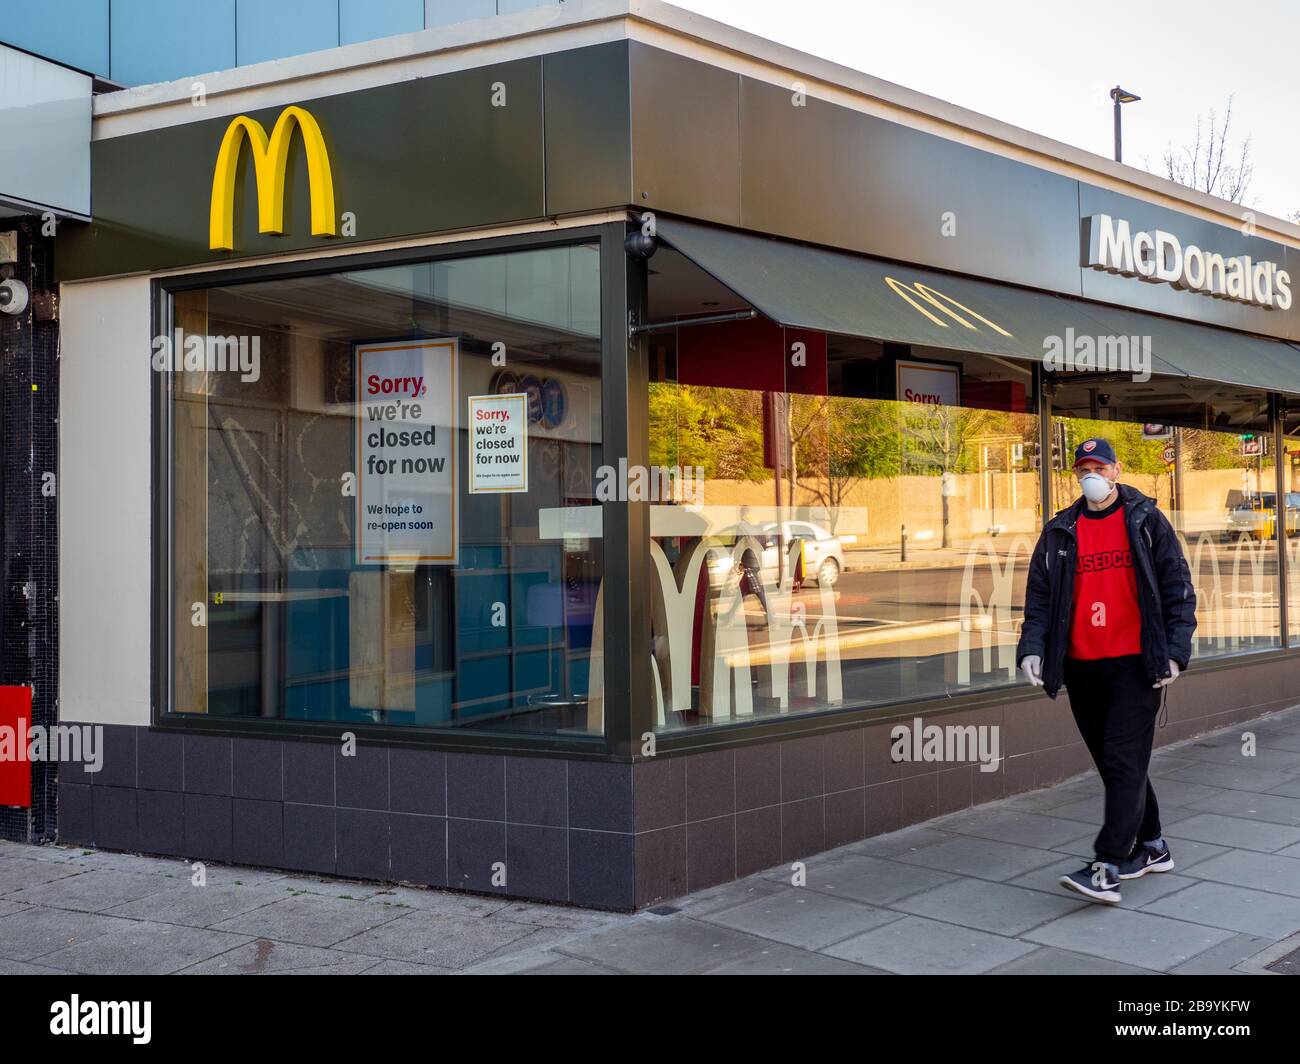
column 940, row 301
column 270, row 165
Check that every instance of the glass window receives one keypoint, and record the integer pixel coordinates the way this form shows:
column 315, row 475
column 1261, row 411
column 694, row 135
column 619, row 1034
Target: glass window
column 355, row 538
column 1291, row 477
column 860, row 524
column 1204, row 453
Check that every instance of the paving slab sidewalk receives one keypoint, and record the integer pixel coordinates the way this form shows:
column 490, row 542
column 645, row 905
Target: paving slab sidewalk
column 974, row 892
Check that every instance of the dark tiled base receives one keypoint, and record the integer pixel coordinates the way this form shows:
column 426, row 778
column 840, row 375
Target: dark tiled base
column 162, row 821
column 76, row 819
column 310, row 838
column 363, row 844
column 603, row 835
column 382, row 815
column 209, row 826
column 114, row 817
column 476, row 855
column 537, row 859
column 418, row 848
column 258, row 832
column 601, row 869
column 724, row 815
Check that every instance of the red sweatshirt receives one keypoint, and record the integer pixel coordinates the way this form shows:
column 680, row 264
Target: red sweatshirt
column 1105, row 620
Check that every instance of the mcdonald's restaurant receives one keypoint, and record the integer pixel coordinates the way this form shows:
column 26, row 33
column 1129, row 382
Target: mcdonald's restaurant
column 601, row 460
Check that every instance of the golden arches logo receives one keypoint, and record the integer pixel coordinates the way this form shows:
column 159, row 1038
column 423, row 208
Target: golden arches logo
column 270, row 164
column 942, row 302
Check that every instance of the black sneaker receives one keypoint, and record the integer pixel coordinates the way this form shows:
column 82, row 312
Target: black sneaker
column 1097, row 881
column 1146, row 858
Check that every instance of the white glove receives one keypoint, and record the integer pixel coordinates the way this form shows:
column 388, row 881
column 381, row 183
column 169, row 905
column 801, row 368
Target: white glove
column 1173, row 675
column 1032, row 667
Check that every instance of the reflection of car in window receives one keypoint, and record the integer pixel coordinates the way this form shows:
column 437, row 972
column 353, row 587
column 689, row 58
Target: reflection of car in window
column 823, row 554
column 1255, row 514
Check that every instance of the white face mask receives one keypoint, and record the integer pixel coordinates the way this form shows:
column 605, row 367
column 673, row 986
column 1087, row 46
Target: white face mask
column 1095, row 486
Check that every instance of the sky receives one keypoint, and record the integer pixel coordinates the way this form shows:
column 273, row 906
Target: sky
column 1048, row 66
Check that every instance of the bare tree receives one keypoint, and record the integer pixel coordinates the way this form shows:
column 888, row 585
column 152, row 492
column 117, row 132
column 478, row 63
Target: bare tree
column 1211, row 163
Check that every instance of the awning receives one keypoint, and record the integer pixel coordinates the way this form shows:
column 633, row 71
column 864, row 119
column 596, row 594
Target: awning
column 837, row 292
column 1203, row 351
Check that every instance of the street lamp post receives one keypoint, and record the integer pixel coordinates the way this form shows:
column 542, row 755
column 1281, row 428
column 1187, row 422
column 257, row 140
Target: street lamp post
column 1120, row 97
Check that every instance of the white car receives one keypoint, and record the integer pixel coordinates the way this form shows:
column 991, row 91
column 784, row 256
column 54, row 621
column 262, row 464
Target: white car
column 1255, row 514
column 823, row 553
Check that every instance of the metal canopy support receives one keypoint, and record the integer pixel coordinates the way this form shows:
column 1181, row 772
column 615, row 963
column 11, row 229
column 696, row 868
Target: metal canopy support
column 705, row 319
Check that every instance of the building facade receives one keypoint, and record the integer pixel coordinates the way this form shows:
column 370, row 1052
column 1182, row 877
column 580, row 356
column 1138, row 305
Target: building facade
column 45, row 120
column 578, row 456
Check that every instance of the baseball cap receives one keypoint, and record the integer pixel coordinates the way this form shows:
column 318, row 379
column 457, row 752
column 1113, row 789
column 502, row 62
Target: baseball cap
column 1096, row 448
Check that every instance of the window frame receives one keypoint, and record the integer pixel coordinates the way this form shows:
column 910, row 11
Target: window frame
column 606, row 236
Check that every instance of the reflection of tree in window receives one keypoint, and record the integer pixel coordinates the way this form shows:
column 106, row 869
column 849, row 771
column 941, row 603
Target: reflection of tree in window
column 861, row 442
column 720, row 429
column 936, row 441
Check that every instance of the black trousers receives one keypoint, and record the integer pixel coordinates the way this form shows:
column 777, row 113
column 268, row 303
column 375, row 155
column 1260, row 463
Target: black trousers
column 1115, row 707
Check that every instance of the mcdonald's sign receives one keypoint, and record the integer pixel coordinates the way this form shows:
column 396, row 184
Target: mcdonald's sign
column 270, row 164
column 918, row 293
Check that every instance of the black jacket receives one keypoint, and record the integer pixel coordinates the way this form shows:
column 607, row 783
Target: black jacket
column 1166, row 597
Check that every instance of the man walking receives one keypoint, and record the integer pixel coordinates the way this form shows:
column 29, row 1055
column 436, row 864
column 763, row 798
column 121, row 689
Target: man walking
column 1110, row 611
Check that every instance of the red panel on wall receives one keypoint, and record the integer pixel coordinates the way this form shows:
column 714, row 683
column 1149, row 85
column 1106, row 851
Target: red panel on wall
column 15, row 769
column 732, row 354
column 996, row 395
column 810, row 378
column 757, row 355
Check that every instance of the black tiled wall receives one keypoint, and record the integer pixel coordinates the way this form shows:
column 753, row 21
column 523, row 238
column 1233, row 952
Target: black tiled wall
column 603, row 835
column 708, row 818
column 563, row 828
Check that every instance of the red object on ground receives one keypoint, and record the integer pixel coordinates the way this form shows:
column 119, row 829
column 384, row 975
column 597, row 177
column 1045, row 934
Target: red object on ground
column 15, row 769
